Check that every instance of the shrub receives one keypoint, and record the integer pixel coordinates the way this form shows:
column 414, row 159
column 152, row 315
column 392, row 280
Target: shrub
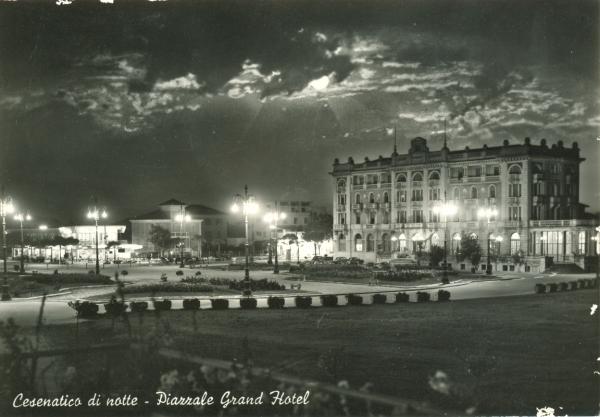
column 582, row 283
column 91, row 272
column 379, row 298
column 423, row 297
column 594, row 282
column 354, row 300
column 219, row 303
column 191, row 304
column 85, row 309
column 248, row 303
column 329, row 300
column 163, row 305
column 303, row 302
column 572, row 285
column 552, row 287
column 138, row 306
column 50, row 279
column 17, row 268
column 275, row 302
column 115, row 308
column 198, row 273
column 443, row 295
column 402, row 297
column 179, row 272
column 540, row 288
column 563, row 286
column 255, row 285
column 124, row 272
column 167, row 287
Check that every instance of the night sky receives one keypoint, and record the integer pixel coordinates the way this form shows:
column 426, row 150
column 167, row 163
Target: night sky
column 138, row 102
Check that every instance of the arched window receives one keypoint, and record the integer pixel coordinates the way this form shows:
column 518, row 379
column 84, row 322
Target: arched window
column 357, row 199
column 515, row 243
column 492, row 191
column 581, row 243
column 341, row 242
column 473, row 192
column 386, row 197
column 456, row 193
column 435, row 240
column 371, row 198
column 370, row 243
column 341, row 185
column 417, row 176
column 402, row 243
column 434, row 175
column 358, row 244
column 400, row 178
column 514, row 169
column 386, row 243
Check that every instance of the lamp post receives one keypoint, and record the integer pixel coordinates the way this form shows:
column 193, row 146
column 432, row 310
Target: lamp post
column 6, row 208
column 21, row 218
column 95, row 214
column 272, row 218
column 446, row 209
column 182, row 218
column 487, row 213
column 247, row 205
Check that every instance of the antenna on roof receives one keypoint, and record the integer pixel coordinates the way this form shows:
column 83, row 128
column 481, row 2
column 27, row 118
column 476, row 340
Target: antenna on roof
column 395, row 140
column 445, row 139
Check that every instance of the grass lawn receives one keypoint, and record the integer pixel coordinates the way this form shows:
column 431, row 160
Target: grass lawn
column 506, row 356
column 29, row 285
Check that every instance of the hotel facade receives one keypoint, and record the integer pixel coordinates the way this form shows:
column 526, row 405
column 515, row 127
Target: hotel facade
column 387, row 208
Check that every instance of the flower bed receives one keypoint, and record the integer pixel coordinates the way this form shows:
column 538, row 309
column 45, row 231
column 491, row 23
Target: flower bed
column 167, row 287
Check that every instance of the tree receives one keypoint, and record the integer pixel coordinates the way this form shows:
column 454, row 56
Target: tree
column 318, row 228
column 470, row 249
column 160, row 238
column 436, row 255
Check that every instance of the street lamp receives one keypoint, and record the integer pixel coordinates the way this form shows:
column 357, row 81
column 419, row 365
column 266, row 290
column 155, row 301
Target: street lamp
column 21, row 218
column 445, row 209
column 272, row 218
column 247, row 205
column 95, row 214
column 6, row 208
column 487, row 213
column 182, row 218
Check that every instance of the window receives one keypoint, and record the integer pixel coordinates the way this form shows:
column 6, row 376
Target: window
column 434, row 194
column 402, row 243
column 357, row 199
column 417, row 195
column 386, row 178
column 357, row 218
column 372, row 217
column 515, row 170
column 474, row 171
column 371, row 198
column 434, row 176
column 341, row 218
column 402, row 196
column 492, row 170
column 581, row 243
column 341, row 185
column 370, row 243
column 514, row 190
column 341, row 242
column 417, row 176
column 358, row 180
column 515, row 243
column 457, row 173
column 341, row 199
column 473, row 192
column 417, row 216
column 492, row 191
column 358, row 244
column 456, row 193
column 434, row 217
column 386, row 197
column 295, row 220
column 372, row 179
column 386, row 217
column 401, row 178
column 514, row 213
column 401, row 216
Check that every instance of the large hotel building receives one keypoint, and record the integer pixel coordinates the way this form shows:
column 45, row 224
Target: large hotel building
column 386, row 208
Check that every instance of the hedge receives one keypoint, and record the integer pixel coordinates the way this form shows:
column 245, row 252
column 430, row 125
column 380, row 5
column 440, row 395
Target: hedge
column 124, row 272
column 563, row 286
column 582, row 283
column 354, row 300
column 572, row 285
column 138, row 306
column 85, row 309
column 402, row 297
column 275, row 302
column 51, row 279
column 115, row 308
column 303, row 302
column 248, row 303
column 379, row 299
column 552, row 287
column 540, row 288
column 423, row 297
column 167, row 287
column 443, row 295
column 162, row 305
column 191, row 304
column 329, row 300
column 219, row 303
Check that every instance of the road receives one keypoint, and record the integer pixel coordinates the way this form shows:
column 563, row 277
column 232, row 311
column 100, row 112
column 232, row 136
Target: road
column 25, row 311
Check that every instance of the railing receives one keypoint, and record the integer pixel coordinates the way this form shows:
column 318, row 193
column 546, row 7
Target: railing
column 562, row 223
column 358, row 206
column 514, row 177
column 358, row 186
column 373, row 206
column 492, row 177
column 434, row 183
column 341, row 207
column 372, row 186
column 473, row 179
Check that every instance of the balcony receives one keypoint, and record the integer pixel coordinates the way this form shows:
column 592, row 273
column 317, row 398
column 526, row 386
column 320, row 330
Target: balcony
column 417, row 184
column 562, row 223
column 357, row 207
column 473, row 179
column 514, row 177
column 341, row 207
column 492, row 177
column 372, row 186
column 340, row 227
column 373, row 206
column 358, row 186
column 434, row 183
column 456, row 180
column 514, row 200
column 386, row 206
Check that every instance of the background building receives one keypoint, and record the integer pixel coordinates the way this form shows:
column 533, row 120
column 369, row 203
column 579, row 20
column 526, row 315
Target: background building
column 386, row 207
column 201, row 226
